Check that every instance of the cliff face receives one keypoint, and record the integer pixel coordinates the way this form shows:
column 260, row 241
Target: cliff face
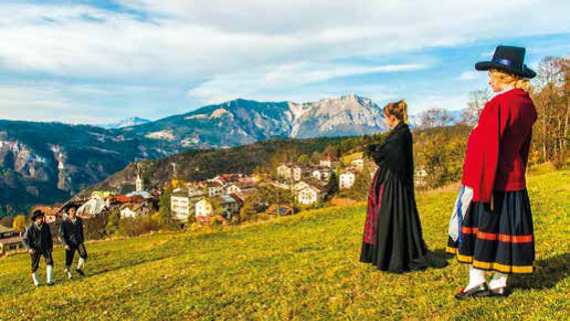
column 48, row 162
column 345, row 116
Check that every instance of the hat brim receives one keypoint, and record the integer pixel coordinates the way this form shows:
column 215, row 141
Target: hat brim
column 525, row 72
column 35, row 217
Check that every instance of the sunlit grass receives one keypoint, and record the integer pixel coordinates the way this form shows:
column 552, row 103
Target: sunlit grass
column 303, row 267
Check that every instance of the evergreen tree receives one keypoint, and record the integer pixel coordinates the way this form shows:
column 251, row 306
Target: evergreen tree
column 332, row 187
column 113, row 220
column 165, row 219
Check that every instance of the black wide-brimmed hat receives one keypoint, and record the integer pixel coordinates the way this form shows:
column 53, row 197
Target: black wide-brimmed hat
column 508, row 59
column 37, row 214
column 69, row 206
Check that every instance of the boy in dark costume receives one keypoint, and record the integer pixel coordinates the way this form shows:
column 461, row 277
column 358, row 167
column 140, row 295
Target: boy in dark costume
column 71, row 233
column 37, row 240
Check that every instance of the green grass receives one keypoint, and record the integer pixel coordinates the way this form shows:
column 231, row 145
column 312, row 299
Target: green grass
column 296, row 268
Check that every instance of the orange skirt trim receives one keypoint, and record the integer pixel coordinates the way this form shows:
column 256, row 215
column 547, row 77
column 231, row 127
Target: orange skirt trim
column 492, row 265
column 494, row 236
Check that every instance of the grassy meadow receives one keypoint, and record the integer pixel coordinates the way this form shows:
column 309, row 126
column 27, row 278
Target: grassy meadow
column 303, row 267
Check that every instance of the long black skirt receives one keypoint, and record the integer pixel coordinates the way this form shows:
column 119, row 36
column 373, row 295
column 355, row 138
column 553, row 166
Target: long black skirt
column 499, row 239
column 393, row 238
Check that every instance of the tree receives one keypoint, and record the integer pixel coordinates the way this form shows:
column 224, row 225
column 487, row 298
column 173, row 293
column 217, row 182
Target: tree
column 247, row 211
column 113, row 220
column 333, row 150
column 165, row 219
column 551, row 99
column 477, row 100
column 315, row 157
column 332, row 186
column 304, row 159
column 20, row 223
column 435, row 117
column 361, row 185
column 217, row 209
column 7, row 221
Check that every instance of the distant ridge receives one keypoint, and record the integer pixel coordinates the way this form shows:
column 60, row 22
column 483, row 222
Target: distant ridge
column 132, row 121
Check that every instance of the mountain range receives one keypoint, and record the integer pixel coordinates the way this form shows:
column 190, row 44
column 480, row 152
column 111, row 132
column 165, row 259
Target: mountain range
column 49, row 162
column 132, row 121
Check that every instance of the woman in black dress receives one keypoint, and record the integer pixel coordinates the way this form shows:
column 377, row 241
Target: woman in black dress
column 392, row 233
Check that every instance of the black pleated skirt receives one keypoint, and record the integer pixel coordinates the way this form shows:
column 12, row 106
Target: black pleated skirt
column 499, row 239
column 393, row 234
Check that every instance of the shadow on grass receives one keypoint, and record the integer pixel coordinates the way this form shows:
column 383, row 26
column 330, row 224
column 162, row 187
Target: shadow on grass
column 442, row 254
column 550, row 271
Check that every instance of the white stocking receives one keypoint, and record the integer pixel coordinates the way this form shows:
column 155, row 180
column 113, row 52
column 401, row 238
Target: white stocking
column 48, row 270
column 35, row 277
column 499, row 280
column 476, row 277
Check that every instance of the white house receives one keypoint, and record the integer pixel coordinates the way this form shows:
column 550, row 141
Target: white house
column 203, row 208
column 215, row 188
column 310, row 195
column 282, row 170
column 289, row 171
column 180, row 205
column 358, row 164
column 420, row 177
column 233, row 188
column 134, row 210
column 329, row 161
column 323, row 173
column 346, row 180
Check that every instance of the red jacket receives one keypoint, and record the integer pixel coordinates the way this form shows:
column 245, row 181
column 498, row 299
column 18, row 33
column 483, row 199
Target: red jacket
column 498, row 147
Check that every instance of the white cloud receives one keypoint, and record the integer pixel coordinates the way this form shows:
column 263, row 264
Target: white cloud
column 258, row 84
column 202, row 39
column 44, row 103
column 250, row 48
column 471, row 75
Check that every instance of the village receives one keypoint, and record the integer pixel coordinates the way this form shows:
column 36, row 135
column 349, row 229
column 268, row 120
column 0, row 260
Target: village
column 223, row 199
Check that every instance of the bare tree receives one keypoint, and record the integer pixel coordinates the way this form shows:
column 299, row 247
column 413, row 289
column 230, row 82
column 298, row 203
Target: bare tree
column 477, row 100
column 435, row 117
column 550, row 95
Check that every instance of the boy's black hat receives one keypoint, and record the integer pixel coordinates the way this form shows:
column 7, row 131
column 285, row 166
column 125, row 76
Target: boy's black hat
column 37, row 214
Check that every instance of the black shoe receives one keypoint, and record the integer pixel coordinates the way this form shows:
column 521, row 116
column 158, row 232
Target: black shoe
column 80, row 272
column 478, row 291
column 500, row 292
column 50, row 284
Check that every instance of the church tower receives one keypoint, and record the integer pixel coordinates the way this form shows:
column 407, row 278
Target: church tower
column 139, row 182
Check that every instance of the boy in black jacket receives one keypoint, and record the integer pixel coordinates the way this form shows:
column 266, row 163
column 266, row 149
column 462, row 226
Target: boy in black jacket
column 38, row 242
column 71, row 233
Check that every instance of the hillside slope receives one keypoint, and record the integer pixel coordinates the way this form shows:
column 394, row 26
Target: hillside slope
column 303, row 267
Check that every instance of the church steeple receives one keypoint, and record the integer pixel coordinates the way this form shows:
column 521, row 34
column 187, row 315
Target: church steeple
column 139, row 182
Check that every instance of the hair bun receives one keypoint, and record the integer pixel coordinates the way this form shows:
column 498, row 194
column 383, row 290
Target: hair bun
column 399, row 109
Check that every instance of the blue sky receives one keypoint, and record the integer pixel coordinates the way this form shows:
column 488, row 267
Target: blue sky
column 103, row 61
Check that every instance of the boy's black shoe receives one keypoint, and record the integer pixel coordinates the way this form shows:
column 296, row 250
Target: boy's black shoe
column 50, row 284
column 80, row 272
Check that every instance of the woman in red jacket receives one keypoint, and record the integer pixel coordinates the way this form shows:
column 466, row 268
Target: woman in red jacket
column 491, row 228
